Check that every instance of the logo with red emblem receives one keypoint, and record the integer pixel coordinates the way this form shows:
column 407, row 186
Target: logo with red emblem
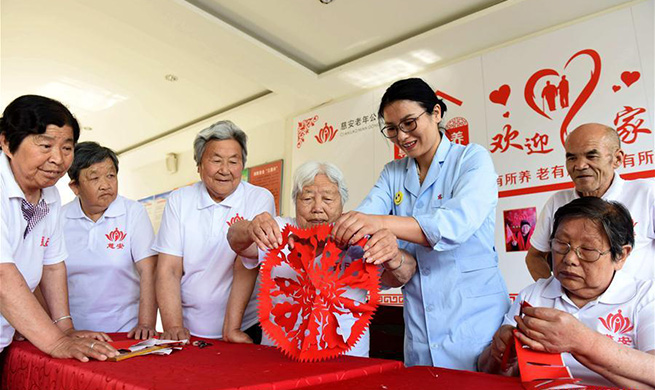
column 115, row 238
column 234, row 219
column 326, row 134
column 618, row 325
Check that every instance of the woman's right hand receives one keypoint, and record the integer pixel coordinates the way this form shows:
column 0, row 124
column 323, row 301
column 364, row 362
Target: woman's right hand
column 82, row 349
column 176, row 333
column 265, row 232
column 500, row 344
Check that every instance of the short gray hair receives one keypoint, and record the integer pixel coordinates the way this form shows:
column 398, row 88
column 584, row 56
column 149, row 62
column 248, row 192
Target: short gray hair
column 307, row 172
column 222, row 130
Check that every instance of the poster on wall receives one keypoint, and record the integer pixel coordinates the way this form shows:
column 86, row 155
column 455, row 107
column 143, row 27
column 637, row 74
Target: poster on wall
column 268, row 176
column 520, row 102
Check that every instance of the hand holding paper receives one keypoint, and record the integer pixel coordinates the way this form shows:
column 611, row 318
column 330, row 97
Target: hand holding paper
column 551, row 330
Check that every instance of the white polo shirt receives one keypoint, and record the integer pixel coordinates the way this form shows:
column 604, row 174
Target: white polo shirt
column 103, row 282
column 625, row 312
column 638, row 196
column 194, row 227
column 44, row 245
column 361, row 348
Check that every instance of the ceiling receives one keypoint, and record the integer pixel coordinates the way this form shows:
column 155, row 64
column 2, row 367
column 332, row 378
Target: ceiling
column 261, row 60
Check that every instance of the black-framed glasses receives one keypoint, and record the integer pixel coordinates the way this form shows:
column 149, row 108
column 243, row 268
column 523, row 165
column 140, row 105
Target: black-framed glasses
column 406, row 126
column 585, row 254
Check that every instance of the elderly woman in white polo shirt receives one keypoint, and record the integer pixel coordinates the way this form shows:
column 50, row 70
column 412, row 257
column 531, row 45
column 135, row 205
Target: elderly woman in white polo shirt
column 601, row 319
column 197, row 267
column 110, row 264
column 37, row 135
column 319, row 193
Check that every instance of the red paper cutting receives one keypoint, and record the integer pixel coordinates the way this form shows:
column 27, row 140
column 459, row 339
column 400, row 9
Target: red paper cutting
column 541, row 370
column 316, row 301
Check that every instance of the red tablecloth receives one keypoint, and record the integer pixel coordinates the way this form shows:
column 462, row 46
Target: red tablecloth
column 220, row 366
column 420, row 378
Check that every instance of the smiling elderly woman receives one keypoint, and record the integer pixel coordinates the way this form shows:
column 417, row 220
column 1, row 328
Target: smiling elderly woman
column 319, row 193
column 600, row 318
column 111, row 268
column 37, row 135
column 196, row 268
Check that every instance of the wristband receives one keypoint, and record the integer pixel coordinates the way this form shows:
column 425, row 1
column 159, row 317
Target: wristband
column 62, row 318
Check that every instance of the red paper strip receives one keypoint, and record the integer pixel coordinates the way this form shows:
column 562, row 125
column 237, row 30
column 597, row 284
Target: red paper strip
column 540, row 370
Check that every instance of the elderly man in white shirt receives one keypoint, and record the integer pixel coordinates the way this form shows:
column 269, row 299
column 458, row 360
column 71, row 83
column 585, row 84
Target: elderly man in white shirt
column 197, row 268
column 593, row 153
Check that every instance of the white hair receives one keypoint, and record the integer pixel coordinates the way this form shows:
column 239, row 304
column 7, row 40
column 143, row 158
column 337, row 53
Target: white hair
column 221, row 130
column 306, row 173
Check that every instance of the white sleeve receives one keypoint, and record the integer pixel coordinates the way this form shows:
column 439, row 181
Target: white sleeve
column 646, row 323
column 142, row 235
column 514, row 310
column 56, row 252
column 6, row 249
column 541, row 235
column 651, row 228
column 169, row 239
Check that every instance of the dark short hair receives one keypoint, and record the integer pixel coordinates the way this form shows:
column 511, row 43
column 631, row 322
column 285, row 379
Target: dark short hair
column 30, row 115
column 525, row 222
column 413, row 89
column 89, row 153
column 612, row 216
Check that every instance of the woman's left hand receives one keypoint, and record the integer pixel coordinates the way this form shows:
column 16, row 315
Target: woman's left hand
column 80, row 334
column 142, row 332
column 551, row 330
column 353, row 226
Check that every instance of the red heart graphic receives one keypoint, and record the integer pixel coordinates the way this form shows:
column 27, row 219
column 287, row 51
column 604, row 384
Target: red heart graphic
column 579, row 101
column 616, row 87
column 307, row 294
column 500, row 95
column 506, row 114
column 630, row 78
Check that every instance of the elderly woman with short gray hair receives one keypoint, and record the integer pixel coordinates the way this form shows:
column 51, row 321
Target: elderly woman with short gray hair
column 197, row 268
column 319, row 193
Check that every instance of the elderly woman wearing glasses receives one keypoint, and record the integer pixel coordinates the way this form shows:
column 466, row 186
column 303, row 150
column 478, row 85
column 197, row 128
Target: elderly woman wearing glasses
column 319, row 193
column 440, row 201
column 37, row 135
column 601, row 319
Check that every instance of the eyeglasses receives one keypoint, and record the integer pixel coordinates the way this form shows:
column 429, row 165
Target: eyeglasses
column 406, row 126
column 585, row 254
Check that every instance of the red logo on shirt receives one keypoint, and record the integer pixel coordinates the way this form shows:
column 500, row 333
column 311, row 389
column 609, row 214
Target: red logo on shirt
column 115, row 237
column 234, row 219
column 45, row 241
column 616, row 323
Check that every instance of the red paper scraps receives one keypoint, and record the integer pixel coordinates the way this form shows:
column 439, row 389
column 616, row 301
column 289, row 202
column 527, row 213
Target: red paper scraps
column 316, row 300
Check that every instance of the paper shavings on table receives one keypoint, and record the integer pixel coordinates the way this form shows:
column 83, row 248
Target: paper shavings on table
column 316, row 300
column 132, row 348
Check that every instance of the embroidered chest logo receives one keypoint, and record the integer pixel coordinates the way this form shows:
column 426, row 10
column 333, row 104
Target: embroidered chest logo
column 45, row 241
column 234, row 219
column 115, row 238
column 440, row 197
column 618, row 325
